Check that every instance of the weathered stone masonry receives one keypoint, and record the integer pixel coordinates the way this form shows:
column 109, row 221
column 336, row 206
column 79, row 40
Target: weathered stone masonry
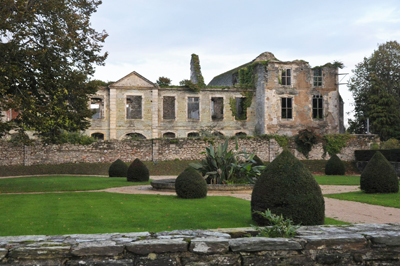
column 363, row 244
column 157, row 150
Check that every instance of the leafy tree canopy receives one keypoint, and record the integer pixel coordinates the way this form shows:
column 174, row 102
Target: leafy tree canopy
column 376, row 90
column 47, row 55
column 163, row 81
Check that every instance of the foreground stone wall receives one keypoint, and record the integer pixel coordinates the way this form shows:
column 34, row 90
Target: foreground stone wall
column 363, row 244
column 158, row 150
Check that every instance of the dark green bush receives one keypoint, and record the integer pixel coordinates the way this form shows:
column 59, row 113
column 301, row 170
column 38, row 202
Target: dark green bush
column 288, row 188
column 335, row 166
column 118, row 169
column 366, row 155
column 379, row 176
column 257, row 160
column 190, row 185
column 138, row 172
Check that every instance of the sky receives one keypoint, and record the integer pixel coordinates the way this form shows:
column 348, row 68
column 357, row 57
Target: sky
column 157, row 37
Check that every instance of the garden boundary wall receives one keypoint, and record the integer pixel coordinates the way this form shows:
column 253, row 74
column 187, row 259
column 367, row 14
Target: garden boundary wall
column 363, row 244
column 159, row 150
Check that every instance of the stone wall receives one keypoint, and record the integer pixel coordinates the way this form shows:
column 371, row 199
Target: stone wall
column 157, row 150
column 363, row 244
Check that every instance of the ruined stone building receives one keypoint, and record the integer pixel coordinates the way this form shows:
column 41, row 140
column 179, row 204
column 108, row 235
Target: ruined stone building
column 264, row 96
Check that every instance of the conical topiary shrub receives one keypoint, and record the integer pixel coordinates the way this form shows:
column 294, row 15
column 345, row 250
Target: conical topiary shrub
column 257, row 160
column 379, row 176
column 190, row 185
column 335, row 166
column 138, row 172
column 288, row 188
column 118, row 169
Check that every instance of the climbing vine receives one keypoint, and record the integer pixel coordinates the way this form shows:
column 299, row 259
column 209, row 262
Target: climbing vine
column 305, row 140
column 333, row 143
column 197, row 70
column 190, row 85
column 246, row 103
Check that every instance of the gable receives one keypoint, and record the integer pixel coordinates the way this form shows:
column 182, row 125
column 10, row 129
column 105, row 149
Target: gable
column 133, row 79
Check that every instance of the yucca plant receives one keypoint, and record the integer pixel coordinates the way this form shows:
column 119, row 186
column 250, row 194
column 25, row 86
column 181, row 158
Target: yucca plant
column 222, row 165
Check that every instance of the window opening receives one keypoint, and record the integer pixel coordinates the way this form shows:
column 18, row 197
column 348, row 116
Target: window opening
column 241, row 111
column 318, row 77
column 169, row 135
column 241, row 134
column 135, row 136
column 193, row 108
column 98, row 136
column 168, row 107
column 286, row 77
column 287, row 109
column 217, row 108
column 133, row 107
column 193, row 135
column 96, row 105
column 318, row 111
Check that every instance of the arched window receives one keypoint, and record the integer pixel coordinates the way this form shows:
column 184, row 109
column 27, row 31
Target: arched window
column 98, row 136
column 134, row 136
column 240, row 134
column 169, row 135
column 217, row 134
column 193, row 135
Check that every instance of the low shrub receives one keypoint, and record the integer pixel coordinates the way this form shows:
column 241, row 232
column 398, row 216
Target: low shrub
column 287, row 188
column 138, row 172
column 379, row 176
column 190, row 185
column 257, row 161
column 280, row 227
column 118, row 169
column 335, row 166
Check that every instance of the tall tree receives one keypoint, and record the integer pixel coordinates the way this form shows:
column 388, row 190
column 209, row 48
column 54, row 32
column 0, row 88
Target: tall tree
column 375, row 85
column 47, row 55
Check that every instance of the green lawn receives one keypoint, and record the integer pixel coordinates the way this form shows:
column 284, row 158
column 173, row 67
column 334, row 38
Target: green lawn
column 338, row 180
column 62, row 183
column 387, row 200
column 101, row 212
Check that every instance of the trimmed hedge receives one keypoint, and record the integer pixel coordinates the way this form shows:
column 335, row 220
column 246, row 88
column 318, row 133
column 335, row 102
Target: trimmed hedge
column 287, row 187
column 335, row 166
column 138, row 172
column 190, row 185
column 118, row 169
column 379, row 176
column 366, row 155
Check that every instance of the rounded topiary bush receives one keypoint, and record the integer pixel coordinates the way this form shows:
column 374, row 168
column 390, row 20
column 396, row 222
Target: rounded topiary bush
column 138, row 172
column 335, row 166
column 288, row 188
column 379, row 176
column 118, row 169
column 190, row 185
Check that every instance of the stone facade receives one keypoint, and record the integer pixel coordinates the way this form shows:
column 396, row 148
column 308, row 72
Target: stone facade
column 287, row 97
column 363, row 244
column 158, row 150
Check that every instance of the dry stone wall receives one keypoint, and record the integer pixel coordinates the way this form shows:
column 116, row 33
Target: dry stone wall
column 363, row 244
column 157, row 150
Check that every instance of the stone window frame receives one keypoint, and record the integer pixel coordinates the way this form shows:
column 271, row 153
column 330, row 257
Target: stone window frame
column 319, row 108
column 162, row 107
column 318, row 79
column 240, row 131
column 287, row 78
column 126, row 95
column 291, row 108
column 102, row 107
column 223, row 107
column 187, row 108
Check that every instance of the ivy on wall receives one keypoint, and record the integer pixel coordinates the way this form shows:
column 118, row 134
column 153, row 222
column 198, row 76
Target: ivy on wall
column 197, row 71
column 333, row 143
